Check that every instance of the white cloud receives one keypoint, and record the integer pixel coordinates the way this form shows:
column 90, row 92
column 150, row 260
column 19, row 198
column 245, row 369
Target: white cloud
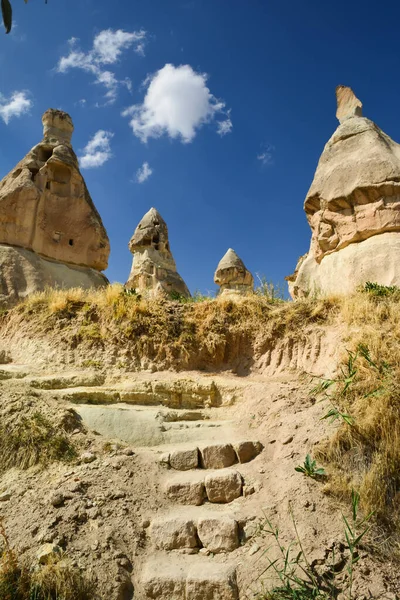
column 97, row 151
column 177, row 103
column 108, row 46
column 143, row 173
column 266, row 157
column 226, row 126
column 16, row 105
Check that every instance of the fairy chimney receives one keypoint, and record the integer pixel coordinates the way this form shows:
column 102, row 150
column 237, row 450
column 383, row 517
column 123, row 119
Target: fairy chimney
column 232, row 276
column 47, row 214
column 153, row 267
column 353, row 208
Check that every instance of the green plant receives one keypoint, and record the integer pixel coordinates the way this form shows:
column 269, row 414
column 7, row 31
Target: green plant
column 131, row 293
column 310, row 468
column 298, row 579
column 375, row 289
column 290, row 567
column 354, row 531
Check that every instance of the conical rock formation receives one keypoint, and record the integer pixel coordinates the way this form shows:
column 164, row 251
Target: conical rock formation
column 47, row 215
column 232, row 276
column 355, row 196
column 153, row 268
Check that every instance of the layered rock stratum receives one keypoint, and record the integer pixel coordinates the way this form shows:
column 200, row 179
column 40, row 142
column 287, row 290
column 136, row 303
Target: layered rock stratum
column 50, row 231
column 153, row 268
column 354, row 197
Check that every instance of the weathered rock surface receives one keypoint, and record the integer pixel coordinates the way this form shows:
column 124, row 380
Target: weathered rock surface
column 218, row 456
column 246, row 451
column 223, row 487
column 50, row 231
column 355, row 195
column 45, row 205
column 218, row 534
column 232, row 276
column 165, row 579
column 173, row 533
column 153, row 268
column 188, row 490
column 348, row 105
column 23, row 272
column 183, row 460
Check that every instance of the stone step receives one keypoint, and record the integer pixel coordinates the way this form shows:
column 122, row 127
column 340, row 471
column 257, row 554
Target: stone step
column 196, row 487
column 173, row 393
column 145, row 426
column 188, row 578
column 211, row 456
column 214, row 532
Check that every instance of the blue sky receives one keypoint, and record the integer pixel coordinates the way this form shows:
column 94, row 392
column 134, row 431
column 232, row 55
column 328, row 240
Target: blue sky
column 229, row 156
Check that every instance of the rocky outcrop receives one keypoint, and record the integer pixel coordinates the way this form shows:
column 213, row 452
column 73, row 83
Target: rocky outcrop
column 355, row 195
column 45, row 205
column 50, row 231
column 153, row 269
column 232, row 276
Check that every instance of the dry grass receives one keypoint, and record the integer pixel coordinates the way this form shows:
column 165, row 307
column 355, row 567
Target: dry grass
column 366, row 455
column 55, row 581
column 209, row 332
column 28, row 441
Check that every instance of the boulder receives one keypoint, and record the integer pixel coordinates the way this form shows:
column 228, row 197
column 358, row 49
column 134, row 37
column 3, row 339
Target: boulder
column 354, row 197
column 173, row 533
column 153, row 268
column 48, row 553
column 232, row 276
column 223, row 487
column 186, row 491
column 216, row 582
column 218, row 456
column 246, row 451
column 218, row 534
column 183, row 460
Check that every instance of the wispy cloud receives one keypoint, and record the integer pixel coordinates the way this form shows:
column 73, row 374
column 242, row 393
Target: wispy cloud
column 143, row 173
column 226, row 126
column 97, row 151
column 16, row 105
column 107, row 49
column 266, row 156
column 177, row 103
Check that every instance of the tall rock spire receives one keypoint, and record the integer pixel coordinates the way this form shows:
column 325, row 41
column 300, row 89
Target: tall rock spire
column 153, row 268
column 232, row 276
column 352, row 206
column 45, row 205
column 46, row 212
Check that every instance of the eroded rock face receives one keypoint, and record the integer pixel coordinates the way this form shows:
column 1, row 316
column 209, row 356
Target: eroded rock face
column 45, row 205
column 153, row 268
column 354, row 196
column 232, row 276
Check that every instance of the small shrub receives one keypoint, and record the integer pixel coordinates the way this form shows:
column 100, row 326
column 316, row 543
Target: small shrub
column 375, row 289
column 32, row 440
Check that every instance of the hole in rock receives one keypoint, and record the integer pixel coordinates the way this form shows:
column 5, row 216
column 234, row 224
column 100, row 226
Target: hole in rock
column 44, row 154
column 16, row 173
column 71, row 242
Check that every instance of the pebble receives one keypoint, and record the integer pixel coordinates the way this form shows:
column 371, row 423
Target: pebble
column 288, row 440
column 5, row 496
column 88, row 457
column 254, row 549
column 57, row 500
